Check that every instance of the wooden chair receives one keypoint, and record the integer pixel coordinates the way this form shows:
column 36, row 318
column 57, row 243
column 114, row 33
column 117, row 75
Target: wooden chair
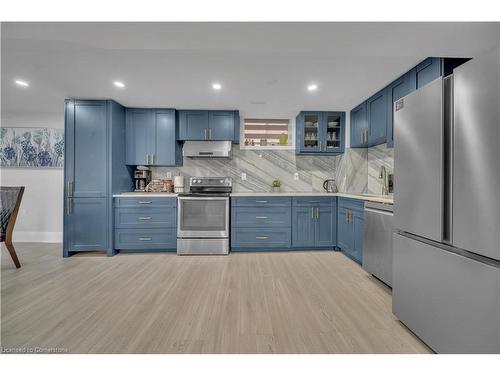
column 10, row 200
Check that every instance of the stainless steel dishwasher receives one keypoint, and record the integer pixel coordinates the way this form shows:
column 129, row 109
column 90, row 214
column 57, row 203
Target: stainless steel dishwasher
column 377, row 245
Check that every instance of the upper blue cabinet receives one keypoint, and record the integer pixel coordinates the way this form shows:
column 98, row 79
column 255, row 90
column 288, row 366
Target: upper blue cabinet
column 199, row 125
column 359, row 126
column 376, row 116
column 151, row 137
column 320, row 133
column 372, row 120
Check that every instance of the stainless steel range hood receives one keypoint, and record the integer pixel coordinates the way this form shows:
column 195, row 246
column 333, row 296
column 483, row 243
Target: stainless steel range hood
column 207, row 149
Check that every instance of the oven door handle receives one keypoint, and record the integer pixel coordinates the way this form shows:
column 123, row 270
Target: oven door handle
column 203, row 198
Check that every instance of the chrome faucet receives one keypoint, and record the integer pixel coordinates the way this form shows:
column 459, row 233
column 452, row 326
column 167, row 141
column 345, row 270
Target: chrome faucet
column 385, row 183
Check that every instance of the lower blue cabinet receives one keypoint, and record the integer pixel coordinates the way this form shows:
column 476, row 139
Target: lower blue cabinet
column 145, row 224
column 87, row 224
column 314, row 222
column 350, row 218
column 261, row 223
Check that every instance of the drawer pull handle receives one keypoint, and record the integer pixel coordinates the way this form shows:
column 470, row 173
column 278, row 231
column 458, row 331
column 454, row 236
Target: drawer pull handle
column 260, row 201
column 261, row 217
column 144, row 202
column 145, row 218
column 144, row 238
column 314, row 202
column 261, row 238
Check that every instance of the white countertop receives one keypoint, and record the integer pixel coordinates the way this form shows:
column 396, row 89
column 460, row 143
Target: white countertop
column 365, row 197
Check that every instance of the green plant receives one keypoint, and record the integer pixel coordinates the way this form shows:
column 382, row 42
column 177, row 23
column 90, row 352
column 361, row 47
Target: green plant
column 276, row 183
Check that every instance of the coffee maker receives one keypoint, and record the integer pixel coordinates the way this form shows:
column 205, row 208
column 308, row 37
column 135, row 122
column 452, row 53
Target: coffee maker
column 142, row 178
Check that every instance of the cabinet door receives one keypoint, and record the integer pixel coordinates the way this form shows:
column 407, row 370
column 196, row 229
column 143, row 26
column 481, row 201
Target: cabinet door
column 359, row 126
column 333, row 132
column 303, row 226
column 396, row 90
column 326, row 226
column 87, row 166
column 427, row 71
column 221, row 125
column 166, row 146
column 344, row 230
column 358, row 223
column 309, row 132
column 139, row 131
column 87, row 224
column 376, row 114
column 193, row 125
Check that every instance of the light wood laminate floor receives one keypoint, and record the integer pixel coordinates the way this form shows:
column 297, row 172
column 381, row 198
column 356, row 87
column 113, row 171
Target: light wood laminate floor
column 291, row 302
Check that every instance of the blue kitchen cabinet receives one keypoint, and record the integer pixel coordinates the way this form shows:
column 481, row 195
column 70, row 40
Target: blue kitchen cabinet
column 94, row 169
column 427, row 71
column 139, row 136
column 200, row 125
column 376, row 116
column 320, row 133
column 151, row 137
column 395, row 91
column 193, row 125
column 145, row 224
column 303, row 226
column 359, row 126
column 350, row 233
column 314, row 223
column 261, row 223
column 87, row 224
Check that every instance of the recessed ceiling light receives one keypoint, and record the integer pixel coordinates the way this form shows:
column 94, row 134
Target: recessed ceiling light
column 216, row 86
column 22, row 83
column 312, row 87
column 119, row 84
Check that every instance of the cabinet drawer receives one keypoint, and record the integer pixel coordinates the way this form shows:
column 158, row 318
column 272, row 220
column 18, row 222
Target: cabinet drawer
column 262, row 201
column 145, row 201
column 352, row 204
column 143, row 239
column 301, row 201
column 145, row 217
column 261, row 216
column 261, row 239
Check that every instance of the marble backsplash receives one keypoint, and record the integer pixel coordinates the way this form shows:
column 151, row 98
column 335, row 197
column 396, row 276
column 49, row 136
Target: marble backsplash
column 378, row 156
column 262, row 167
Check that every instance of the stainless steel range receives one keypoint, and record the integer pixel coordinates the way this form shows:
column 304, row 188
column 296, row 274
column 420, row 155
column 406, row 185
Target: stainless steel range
column 203, row 217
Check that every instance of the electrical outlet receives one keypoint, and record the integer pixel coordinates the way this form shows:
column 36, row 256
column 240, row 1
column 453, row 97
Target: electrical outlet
column 243, row 176
column 169, row 174
column 296, row 176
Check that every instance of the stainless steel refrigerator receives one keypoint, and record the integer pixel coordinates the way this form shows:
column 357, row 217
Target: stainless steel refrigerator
column 446, row 262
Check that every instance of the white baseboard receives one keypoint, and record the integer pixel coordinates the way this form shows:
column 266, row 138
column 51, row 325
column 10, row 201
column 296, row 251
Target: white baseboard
column 37, row 236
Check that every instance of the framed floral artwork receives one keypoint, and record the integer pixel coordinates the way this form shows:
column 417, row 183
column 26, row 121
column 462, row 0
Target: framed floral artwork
column 31, row 147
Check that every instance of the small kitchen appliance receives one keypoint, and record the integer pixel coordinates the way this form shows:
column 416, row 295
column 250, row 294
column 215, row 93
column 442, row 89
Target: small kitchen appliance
column 330, row 186
column 178, row 184
column 142, row 177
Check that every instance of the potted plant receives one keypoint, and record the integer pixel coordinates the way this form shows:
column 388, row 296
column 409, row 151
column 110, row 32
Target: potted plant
column 276, row 186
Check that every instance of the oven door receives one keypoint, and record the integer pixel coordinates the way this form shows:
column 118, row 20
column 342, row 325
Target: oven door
column 203, row 217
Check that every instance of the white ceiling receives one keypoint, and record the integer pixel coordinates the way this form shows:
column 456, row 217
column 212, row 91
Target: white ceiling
column 264, row 67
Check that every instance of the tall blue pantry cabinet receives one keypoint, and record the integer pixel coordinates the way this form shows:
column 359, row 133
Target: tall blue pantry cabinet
column 94, row 169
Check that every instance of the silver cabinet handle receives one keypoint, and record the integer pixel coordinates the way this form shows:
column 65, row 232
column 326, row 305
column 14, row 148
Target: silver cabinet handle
column 68, row 206
column 347, row 216
column 144, row 202
column 144, row 238
column 261, row 217
column 145, row 218
column 261, row 238
column 209, row 133
column 317, row 212
column 205, row 134
column 69, row 189
column 152, row 158
column 350, row 216
column 312, row 212
column 260, row 201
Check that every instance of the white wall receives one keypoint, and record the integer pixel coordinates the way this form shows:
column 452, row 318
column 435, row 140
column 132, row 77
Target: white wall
column 41, row 214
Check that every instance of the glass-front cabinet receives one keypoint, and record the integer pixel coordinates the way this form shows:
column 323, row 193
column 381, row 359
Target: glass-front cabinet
column 320, row 132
